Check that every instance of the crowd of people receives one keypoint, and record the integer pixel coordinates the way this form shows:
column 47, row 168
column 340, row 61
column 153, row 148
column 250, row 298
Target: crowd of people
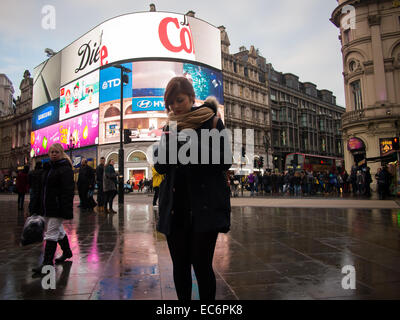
column 307, row 183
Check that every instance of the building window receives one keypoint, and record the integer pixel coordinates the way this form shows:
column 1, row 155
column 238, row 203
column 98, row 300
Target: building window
column 273, row 113
column 357, row 95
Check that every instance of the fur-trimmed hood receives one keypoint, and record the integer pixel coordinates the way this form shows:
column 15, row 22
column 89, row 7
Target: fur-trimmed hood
column 212, row 103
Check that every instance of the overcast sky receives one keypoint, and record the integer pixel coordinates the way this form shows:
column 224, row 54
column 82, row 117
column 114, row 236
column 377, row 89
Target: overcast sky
column 295, row 36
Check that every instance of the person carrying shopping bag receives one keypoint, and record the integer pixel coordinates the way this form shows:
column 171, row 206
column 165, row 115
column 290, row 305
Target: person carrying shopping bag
column 57, row 197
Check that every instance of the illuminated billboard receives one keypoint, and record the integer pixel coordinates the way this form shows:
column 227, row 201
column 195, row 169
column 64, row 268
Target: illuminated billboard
column 79, row 96
column 142, row 35
column 81, row 131
column 45, row 115
column 144, row 108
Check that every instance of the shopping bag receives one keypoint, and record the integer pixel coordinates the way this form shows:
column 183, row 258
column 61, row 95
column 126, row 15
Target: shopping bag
column 33, row 230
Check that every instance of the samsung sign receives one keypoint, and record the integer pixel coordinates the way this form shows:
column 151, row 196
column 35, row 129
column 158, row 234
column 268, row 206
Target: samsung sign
column 148, row 104
column 45, row 115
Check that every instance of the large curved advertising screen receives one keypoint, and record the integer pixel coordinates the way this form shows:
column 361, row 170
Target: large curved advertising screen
column 155, row 46
column 144, row 35
column 144, row 108
column 81, row 131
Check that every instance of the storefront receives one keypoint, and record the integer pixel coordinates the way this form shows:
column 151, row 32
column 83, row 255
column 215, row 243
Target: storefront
column 357, row 148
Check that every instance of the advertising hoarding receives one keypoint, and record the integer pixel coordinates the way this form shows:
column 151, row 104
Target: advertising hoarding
column 110, row 83
column 45, row 115
column 46, row 81
column 142, row 35
column 79, row 96
column 82, row 131
column 144, row 109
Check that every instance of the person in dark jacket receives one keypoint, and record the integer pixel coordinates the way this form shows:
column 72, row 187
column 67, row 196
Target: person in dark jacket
column 368, row 181
column 22, row 186
column 35, row 183
column 85, row 183
column 57, row 197
column 194, row 203
column 110, row 182
column 99, row 181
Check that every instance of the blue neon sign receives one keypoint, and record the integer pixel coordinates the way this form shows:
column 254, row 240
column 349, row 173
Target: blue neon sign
column 148, row 104
column 45, row 115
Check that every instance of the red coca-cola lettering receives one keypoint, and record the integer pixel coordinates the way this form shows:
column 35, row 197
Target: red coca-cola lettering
column 103, row 55
column 163, row 34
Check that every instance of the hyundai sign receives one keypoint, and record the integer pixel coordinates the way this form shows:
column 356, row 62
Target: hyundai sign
column 45, row 115
column 148, row 104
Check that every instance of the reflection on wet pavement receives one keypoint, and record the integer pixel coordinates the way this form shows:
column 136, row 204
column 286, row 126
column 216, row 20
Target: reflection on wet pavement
column 270, row 253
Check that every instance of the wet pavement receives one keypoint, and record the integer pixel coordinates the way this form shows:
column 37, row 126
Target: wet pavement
column 274, row 251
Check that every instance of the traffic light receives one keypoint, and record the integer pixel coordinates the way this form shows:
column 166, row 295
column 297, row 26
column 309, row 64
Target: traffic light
column 127, row 134
column 125, row 79
column 261, row 162
column 396, row 146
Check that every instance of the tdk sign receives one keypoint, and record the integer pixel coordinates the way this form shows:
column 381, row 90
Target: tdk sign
column 148, row 104
column 110, row 84
column 45, row 115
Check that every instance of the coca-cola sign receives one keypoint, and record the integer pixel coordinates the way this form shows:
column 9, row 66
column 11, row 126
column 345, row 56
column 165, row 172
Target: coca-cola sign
column 142, row 35
column 185, row 35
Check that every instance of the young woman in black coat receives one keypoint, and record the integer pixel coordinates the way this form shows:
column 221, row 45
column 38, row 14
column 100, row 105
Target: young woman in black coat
column 56, row 204
column 194, row 203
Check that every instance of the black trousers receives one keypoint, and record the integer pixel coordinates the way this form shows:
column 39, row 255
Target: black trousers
column 156, row 192
column 100, row 195
column 109, row 198
column 189, row 248
column 21, row 199
column 83, row 196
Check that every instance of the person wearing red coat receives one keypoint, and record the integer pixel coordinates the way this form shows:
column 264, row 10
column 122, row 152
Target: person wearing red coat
column 22, row 186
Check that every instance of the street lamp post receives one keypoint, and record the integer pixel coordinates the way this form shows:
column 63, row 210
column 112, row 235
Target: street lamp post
column 121, row 130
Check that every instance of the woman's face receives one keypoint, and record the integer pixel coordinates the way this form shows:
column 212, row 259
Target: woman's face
column 112, row 162
column 183, row 104
column 55, row 155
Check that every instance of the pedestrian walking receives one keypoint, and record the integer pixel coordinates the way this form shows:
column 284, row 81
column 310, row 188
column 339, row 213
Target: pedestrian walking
column 35, row 183
column 360, row 180
column 368, row 181
column 157, row 179
column 22, row 186
column 194, row 199
column 86, row 180
column 110, row 183
column 99, row 182
column 251, row 179
column 57, row 197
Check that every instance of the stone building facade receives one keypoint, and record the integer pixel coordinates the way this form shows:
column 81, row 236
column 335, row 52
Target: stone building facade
column 6, row 96
column 15, row 130
column 370, row 39
column 246, row 98
column 304, row 119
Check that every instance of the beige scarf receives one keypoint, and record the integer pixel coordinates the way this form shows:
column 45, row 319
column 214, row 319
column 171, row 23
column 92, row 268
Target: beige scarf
column 191, row 120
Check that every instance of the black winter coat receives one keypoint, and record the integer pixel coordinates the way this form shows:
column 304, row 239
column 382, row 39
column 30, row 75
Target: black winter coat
column 203, row 192
column 58, row 190
column 86, row 177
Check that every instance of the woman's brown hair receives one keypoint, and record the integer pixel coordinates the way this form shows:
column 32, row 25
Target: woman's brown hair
column 177, row 86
